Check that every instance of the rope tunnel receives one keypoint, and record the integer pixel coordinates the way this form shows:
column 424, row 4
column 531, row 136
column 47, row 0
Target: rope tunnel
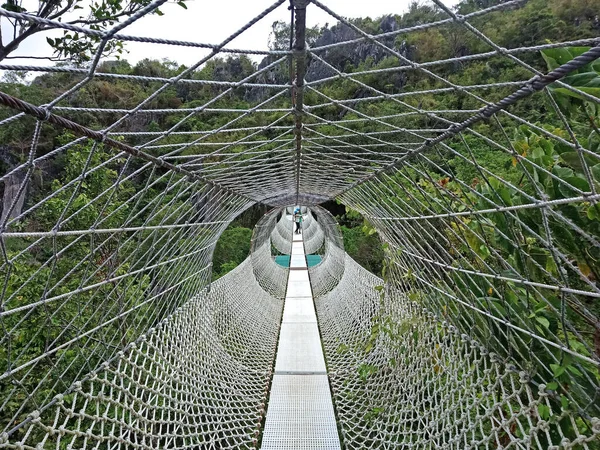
column 483, row 330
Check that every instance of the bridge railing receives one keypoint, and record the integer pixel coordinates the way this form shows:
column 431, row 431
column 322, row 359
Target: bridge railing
column 198, row 378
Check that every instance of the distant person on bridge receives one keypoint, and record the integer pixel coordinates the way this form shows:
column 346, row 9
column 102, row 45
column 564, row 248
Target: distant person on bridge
column 298, row 220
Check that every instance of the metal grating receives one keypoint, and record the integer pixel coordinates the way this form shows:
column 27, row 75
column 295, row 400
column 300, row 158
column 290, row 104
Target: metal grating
column 298, row 261
column 300, row 413
column 299, row 310
column 299, row 348
column 299, row 288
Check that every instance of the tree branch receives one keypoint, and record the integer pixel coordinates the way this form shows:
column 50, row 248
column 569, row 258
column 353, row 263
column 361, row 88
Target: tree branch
column 62, row 11
column 50, row 58
column 95, row 21
column 14, row 44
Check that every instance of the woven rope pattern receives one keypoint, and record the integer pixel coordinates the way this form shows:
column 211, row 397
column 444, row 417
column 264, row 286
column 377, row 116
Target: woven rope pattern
column 281, row 237
column 312, row 234
column 193, row 380
column 394, row 366
column 270, row 275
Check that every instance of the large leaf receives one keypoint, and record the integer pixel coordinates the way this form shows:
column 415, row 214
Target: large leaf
column 595, row 91
column 556, row 57
column 573, row 159
column 590, row 79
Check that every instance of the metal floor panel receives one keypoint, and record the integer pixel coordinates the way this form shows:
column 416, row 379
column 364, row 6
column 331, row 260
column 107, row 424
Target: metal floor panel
column 297, row 261
column 299, row 348
column 299, row 310
column 300, row 412
column 298, row 275
column 299, row 289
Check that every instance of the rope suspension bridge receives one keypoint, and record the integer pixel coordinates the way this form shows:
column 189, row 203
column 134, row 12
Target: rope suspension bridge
column 482, row 333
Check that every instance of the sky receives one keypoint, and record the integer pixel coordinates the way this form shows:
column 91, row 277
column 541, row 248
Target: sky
column 211, row 21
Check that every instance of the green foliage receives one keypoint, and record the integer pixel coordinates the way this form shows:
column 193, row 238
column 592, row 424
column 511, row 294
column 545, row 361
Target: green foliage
column 542, row 167
column 231, row 249
column 36, row 273
column 586, row 79
column 361, row 241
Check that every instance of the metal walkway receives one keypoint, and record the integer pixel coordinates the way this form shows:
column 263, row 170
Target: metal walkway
column 300, row 413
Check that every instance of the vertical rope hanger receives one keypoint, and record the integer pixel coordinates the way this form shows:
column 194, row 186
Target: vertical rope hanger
column 299, row 55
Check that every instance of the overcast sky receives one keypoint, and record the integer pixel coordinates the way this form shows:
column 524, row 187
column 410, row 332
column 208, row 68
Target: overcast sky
column 211, row 21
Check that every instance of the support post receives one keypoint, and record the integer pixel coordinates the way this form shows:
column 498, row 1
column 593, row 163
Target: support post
column 300, row 57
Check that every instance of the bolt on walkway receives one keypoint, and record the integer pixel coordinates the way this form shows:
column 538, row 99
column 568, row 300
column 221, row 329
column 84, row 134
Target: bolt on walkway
column 300, row 413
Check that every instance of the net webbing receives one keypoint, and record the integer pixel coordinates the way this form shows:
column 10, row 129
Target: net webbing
column 483, row 333
column 312, row 234
column 281, row 236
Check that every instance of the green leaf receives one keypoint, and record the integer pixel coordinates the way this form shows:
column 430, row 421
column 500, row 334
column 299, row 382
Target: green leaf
column 544, row 411
column 557, row 370
column 182, row 4
column 545, row 322
column 555, row 57
column 596, row 172
column 595, row 91
column 366, row 370
column 484, row 251
column 562, row 172
column 583, row 79
column 415, row 336
column 342, row 349
column 573, row 160
column 553, row 385
column 593, row 212
column 575, row 182
column 12, row 5
column 538, row 152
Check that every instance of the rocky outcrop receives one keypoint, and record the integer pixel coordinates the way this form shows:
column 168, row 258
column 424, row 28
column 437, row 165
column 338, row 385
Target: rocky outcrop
column 12, row 187
column 341, row 57
column 353, row 54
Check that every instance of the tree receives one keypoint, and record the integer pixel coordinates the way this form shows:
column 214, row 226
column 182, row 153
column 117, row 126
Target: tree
column 97, row 16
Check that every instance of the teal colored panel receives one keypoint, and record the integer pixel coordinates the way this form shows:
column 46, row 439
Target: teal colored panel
column 313, row 260
column 283, row 260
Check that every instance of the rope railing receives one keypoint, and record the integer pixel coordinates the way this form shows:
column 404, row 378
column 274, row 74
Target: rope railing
column 271, row 276
column 189, row 380
column 368, row 333
column 281, row 237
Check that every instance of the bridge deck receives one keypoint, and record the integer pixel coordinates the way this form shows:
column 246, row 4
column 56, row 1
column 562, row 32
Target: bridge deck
column 300, row 413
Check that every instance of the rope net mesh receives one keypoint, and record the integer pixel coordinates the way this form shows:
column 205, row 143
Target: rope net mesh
column 281, row 236
column 312, row 234
column 484, row 332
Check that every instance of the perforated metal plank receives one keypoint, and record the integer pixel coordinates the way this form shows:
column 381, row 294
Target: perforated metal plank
column 299, row 349
column 299, row 309
column 298, row 275
column 298, row 247
column 299, row 289
column 297, row 261
column 300, row 414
